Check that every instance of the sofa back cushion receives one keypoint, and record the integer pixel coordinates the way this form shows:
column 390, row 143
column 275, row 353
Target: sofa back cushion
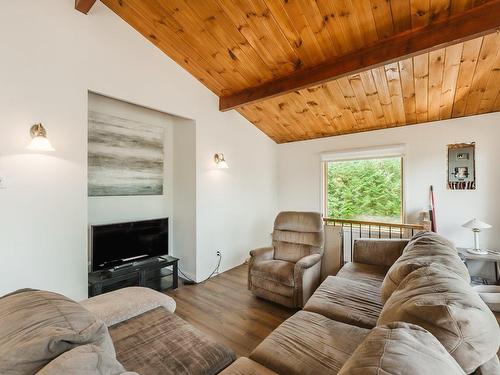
column 444, row 304
column 297, row 234
column 84, row 360
column 399, row 349
column 424, row 249
column 37, row 326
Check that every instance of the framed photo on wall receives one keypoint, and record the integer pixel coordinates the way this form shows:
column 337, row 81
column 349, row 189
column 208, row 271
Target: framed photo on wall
column 462, row 166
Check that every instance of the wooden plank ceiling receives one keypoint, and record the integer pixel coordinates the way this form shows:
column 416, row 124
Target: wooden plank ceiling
column 233, row 45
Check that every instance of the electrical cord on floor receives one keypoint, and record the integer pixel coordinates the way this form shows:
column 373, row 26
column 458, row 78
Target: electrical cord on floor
column 190, row 281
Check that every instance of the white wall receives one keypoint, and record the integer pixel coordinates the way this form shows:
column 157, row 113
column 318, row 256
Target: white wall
column 299, row 179
column 184, row 207
column 51, row 57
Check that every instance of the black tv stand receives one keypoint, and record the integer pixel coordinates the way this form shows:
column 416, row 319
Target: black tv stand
column 158, row 273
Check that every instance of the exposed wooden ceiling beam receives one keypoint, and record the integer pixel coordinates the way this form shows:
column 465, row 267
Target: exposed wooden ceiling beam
column 458, row 28
column 84, row 6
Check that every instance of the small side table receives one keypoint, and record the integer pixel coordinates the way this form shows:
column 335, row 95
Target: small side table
column 491, row 257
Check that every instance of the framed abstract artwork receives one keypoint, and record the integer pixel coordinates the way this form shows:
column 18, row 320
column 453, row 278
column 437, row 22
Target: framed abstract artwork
column 125, row 157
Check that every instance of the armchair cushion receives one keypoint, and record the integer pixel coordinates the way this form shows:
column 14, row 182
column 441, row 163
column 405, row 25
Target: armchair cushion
column 274, row 270
column 297, row 234
column 299, row 221
column 289, row 251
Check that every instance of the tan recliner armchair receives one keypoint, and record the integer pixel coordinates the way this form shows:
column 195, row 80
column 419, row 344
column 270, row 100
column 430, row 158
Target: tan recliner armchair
column 290, row 271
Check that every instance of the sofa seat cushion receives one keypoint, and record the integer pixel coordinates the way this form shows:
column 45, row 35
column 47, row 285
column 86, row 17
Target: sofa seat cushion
column 160, row 343
column 245, row 366
column 37, row 326
column 444, row 304
column 84, row 360
column 424, row 249
column 347, row 301
column 279, row 271
column 364, row 273
column 400, row 349
column 309, row 344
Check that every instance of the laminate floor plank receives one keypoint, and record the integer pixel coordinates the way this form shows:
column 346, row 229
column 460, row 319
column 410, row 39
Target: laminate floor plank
column 226, row 310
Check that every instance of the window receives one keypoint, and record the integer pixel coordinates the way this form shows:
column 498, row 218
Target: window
column 368, row 189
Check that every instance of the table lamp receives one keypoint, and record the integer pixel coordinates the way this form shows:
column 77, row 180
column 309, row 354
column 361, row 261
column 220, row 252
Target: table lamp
column 476, row 226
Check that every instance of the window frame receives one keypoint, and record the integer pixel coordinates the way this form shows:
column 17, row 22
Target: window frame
column 324, row 184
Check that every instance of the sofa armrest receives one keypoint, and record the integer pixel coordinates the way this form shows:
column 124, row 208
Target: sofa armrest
column 492, row 367
column 490, row 294
column 378, row 252
column 263, row 253
column 122, row 304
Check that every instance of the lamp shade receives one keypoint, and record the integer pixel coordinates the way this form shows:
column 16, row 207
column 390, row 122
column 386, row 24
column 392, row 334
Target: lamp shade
column 476, row 224
column 220, row 161
column 222, row 165
column 40, row 144
column 39, row 140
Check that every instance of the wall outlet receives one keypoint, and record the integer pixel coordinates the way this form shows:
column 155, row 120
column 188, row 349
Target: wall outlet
column 2, row 183
column 218, row 253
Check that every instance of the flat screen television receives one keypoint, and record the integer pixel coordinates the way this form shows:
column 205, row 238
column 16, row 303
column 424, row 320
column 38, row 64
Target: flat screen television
column 115, row 245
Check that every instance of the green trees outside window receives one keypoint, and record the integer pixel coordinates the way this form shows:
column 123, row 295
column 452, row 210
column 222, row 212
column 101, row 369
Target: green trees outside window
column 368, row 190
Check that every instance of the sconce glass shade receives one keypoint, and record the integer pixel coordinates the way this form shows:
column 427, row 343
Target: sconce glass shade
column 220, row 161
column 39, row 140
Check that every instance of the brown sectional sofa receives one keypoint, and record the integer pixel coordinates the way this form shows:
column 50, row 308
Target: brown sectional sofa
column 130, row 331
column 401, row 307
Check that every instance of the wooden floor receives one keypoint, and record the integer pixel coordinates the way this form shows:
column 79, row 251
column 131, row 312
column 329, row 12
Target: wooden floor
column 225, row 309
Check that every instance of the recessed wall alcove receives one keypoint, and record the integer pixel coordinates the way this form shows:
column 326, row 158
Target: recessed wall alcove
column 178, row 199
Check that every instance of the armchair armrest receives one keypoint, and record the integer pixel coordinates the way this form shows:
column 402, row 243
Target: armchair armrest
column 262, row 253
column 307, row 262
column 307, row 277
column 378, row 252
column 257, row 255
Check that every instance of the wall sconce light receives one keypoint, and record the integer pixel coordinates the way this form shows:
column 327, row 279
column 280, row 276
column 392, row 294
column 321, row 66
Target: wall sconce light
column 39, row 140
column 220, row 161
